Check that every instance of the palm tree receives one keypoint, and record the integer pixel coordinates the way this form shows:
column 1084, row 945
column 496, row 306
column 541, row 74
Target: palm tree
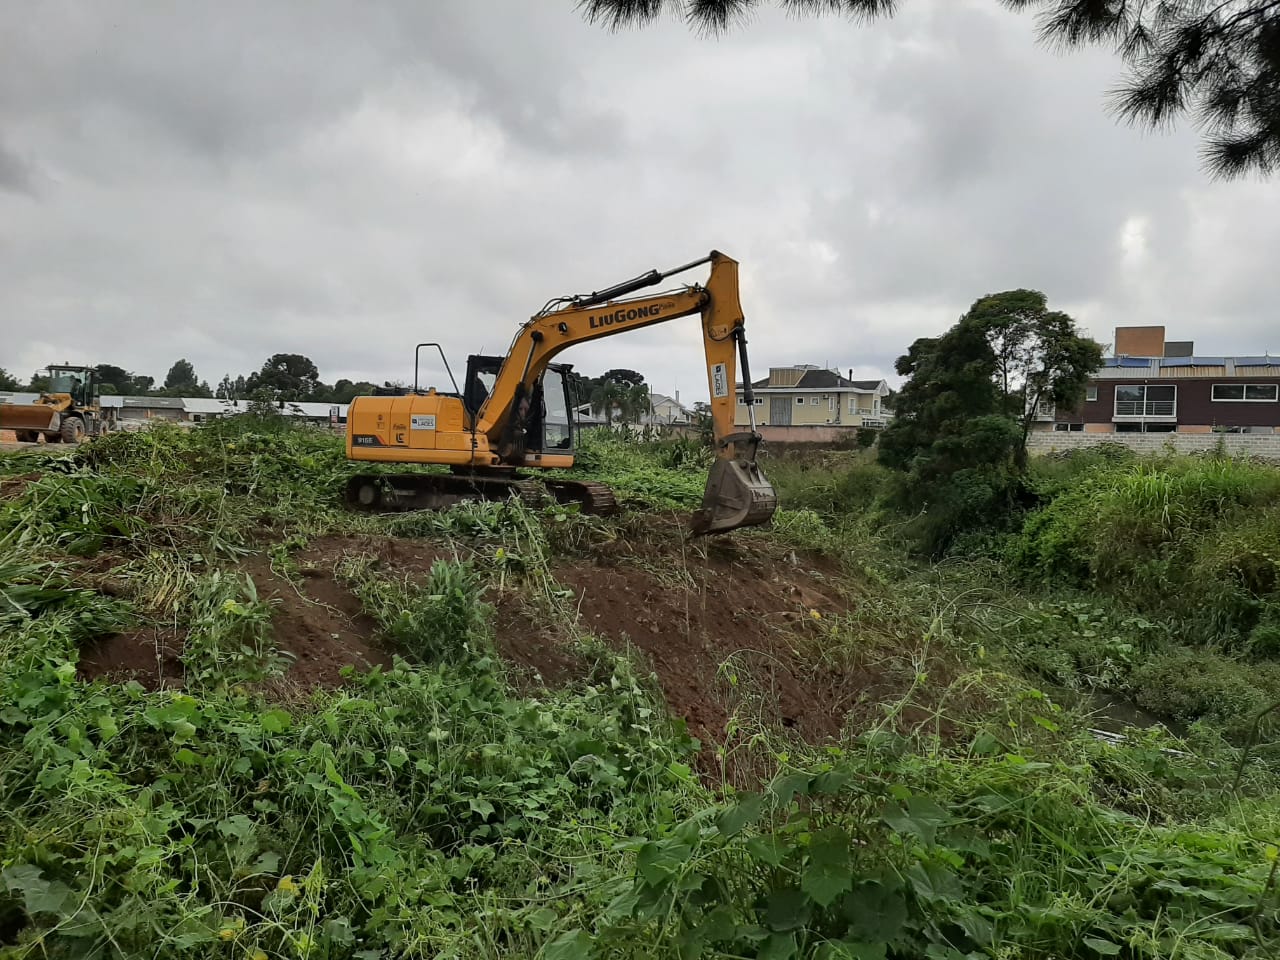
column 1215, row 61
column 636, row 402
column 607, row 396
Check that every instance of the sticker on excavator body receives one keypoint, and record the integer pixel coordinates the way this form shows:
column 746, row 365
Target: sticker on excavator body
column 719, row 380
column 422, row 421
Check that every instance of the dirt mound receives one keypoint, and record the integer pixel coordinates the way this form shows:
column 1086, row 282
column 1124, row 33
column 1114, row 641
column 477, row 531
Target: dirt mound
column 734, row 634
column 709, row 633
column 317, row 620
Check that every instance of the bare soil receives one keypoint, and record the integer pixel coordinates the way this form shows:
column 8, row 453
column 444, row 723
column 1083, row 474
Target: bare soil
column 12, row 486
column 734, row 632
column 318, row 621
column 148, row 655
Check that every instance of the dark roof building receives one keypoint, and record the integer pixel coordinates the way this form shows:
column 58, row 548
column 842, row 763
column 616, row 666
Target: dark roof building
column 1168, row 388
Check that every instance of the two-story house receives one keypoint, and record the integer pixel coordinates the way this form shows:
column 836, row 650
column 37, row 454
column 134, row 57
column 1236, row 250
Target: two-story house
column 665, row 410
column 1156, row 386
column 807, row 395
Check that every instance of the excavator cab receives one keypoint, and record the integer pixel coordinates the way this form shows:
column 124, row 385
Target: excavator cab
column 543, row 421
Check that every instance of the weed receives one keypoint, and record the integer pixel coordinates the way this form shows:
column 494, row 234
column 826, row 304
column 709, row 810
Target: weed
column 440, row 621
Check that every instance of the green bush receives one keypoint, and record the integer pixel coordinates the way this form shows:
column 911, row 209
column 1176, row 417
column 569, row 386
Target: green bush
column 1185, row 685
column 1190, row 537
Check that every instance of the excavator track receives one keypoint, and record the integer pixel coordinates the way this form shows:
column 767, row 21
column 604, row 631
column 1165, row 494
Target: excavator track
column 423, row 491
column 595, row 498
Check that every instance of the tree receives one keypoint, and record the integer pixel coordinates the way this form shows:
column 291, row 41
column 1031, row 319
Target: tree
column 226, row 388
column 636, row 403
column 288, row 376
column 606, row 396
column 181, row 376
column 1215, row 60
column 702, row 422
column 1039, row 355
column 344, row 391
column 959, row 434
column 8, row 381
column 116, row 378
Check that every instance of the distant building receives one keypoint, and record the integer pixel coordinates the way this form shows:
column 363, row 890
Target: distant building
column 117, row 408
column 202, row 409
column 665, row 410
column 806, row 395
column 1152, row 385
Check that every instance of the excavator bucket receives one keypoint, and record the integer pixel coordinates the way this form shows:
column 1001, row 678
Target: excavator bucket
column 737, row 495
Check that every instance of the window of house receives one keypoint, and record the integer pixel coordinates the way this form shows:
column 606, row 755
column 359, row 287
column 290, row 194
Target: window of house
column 1091, row 394
column 1068, row 427
column 1146, row 427
column 831, row 404
column 1146, row 400
column 759, row 401
column 853, row 404
column 1245, row 391
column 799, row 400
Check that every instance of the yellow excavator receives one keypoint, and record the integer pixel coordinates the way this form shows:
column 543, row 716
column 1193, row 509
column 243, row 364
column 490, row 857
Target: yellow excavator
column 66, row 411
column 514, row 412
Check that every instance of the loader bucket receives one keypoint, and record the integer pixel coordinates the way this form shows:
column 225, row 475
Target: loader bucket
column 737, row 495
column 28, row 416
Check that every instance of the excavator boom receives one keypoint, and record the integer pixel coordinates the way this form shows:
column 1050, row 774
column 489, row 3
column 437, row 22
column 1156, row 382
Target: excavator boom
column 500, row 425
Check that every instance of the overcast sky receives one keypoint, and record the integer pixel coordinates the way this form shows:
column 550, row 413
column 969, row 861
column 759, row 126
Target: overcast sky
column 224, row 181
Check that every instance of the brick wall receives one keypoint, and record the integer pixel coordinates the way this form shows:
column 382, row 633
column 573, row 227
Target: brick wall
column 1260, row 445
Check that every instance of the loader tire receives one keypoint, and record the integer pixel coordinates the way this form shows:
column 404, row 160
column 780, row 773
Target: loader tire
column 72, row 430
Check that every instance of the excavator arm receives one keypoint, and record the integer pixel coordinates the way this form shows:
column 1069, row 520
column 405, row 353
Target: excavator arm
column 598, row 315
column 737, row 493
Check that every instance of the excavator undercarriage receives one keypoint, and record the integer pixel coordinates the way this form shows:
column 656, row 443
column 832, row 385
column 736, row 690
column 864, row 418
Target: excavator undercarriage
column 437, row 491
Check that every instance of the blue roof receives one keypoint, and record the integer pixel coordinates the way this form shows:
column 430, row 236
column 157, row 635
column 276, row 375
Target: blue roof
column 1127, row 362
column 1193, row 361
column 1258, row 361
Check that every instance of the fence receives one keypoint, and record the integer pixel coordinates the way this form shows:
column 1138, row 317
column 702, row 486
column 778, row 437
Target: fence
column 1260, row 445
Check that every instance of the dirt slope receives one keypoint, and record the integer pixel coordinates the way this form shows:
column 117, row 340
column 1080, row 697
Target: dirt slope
column 736, row 634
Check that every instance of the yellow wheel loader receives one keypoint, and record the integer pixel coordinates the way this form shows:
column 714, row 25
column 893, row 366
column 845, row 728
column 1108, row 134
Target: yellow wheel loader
column 514, row 412
column 66, row 412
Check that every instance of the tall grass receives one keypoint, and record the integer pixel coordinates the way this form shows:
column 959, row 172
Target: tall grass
column 1180, row 536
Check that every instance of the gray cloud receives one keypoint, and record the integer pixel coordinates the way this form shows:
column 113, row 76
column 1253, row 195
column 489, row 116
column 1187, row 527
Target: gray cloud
column 15, row 173
column 343, row 180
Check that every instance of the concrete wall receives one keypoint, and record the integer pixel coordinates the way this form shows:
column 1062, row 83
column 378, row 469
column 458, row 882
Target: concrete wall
column 1259, row 445
column 833, row 433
